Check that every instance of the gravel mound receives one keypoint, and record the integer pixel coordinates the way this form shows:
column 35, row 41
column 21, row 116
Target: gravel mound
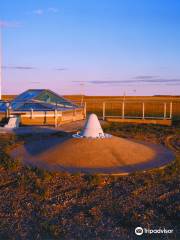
column 113, row 155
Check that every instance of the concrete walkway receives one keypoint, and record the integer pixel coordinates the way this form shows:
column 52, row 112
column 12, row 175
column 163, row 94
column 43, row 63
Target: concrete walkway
column 68, row 127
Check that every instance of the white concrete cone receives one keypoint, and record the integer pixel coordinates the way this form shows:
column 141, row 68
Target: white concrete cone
column 92, row 128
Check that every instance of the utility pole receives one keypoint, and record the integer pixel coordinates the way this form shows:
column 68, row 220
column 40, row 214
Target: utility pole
column 124, row 95
column 82, row 93
column 1, row 54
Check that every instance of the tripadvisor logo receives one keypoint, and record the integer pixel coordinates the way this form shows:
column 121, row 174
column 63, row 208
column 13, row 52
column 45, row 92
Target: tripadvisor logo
column 139, row 231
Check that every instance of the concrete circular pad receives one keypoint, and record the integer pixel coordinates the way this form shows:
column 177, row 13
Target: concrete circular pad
column 108, row 156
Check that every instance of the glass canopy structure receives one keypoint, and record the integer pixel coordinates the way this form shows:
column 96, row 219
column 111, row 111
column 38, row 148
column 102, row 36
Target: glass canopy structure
column 39, row 100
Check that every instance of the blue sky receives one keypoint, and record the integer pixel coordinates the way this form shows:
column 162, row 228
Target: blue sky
column 98, row 47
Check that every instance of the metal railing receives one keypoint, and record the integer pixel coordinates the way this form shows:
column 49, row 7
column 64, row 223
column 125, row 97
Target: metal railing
column 138, row 110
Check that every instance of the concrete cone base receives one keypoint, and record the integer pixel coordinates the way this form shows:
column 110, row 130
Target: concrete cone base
column 110, row 156
column 92, row 128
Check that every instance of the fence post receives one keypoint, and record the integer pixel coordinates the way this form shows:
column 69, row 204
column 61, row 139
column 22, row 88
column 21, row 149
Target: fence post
column 143, row 110
column 85, row 110
column 164, row 110
column 123, row 105
column 7, row 112
column 55, row 117
column 104, row 110
column 32, row 113
column 170, row 114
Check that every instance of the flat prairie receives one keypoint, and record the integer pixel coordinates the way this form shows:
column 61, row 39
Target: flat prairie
column 154, row 105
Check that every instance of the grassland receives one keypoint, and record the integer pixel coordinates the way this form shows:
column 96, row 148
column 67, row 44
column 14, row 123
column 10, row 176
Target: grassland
column 36, row 204
column 154, row 105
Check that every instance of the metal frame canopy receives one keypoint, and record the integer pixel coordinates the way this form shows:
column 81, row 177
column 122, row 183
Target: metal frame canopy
column 40, row 100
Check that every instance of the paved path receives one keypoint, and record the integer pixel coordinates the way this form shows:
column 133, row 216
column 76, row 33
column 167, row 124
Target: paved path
column 69, row 127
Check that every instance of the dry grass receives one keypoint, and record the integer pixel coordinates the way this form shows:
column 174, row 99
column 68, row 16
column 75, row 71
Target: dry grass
column 36, row 204
column 154, row 105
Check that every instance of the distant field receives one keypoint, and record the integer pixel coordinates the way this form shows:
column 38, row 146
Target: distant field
column 154, row 105
column 8, row 97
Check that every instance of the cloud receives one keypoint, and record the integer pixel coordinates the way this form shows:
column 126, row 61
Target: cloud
column 34, row 82
column 79, row 81
column 159, row 80
column 41, row 11
column 134, row 81
column 145, row 77
column 9, row 24
column 173, row 84
column 19, row 67
column 61, row 69
column 38, row 12
column 53, row 10
column 111, row 82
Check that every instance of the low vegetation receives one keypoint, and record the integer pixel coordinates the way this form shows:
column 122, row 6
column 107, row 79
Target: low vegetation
column 36, row 204
column 154, row 105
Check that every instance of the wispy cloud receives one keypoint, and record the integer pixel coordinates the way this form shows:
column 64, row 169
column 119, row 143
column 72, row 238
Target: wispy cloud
column 19, row 67
column 38, row 12
column 31, row 68
column 42, row 11
column 173, row 84
column 53, row 10
column 111, row 82
column 80, row 81
column 34, row 82
column 145, row 77
column 159, row 80
column 9, row 24
column 134, row 81
column 61, row 69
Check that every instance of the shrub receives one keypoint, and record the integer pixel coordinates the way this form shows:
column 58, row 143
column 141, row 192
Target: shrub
column 7, row 162
column 94, row 179
column 41, row 173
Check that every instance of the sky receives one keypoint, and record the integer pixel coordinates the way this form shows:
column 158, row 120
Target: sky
column 92, row 47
